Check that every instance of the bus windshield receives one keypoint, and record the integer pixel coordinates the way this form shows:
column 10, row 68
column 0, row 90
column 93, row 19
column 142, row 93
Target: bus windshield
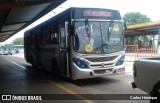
column 98, row 37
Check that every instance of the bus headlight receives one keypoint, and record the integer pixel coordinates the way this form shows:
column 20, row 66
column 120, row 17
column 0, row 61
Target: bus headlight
column 80, row 63
column 120, row 61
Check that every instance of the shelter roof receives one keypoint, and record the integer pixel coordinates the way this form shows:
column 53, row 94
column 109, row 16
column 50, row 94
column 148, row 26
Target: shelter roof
column 15, row 15
column 149, row 28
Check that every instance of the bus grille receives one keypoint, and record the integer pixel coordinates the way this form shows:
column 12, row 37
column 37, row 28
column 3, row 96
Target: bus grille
column 100, row 65
column 101, row 59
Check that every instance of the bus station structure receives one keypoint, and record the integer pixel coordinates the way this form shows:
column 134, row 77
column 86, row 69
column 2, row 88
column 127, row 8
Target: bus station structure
column 142, row 29
column 151, row 29
column 15, row 15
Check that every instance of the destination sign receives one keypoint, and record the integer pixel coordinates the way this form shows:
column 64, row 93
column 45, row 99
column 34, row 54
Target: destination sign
column 96, row 13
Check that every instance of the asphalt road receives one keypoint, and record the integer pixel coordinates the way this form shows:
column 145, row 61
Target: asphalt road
column 42, row 82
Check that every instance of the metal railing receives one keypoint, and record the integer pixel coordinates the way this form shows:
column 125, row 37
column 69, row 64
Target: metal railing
column 134, row 53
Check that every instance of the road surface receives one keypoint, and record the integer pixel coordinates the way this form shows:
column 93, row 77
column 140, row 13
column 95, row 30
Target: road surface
column 18, row 77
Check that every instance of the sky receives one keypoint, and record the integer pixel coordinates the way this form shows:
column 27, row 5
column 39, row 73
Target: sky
column 151, row 8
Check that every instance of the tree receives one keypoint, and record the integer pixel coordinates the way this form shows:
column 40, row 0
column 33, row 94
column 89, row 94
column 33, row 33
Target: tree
column 18, row 41
column 136, row 18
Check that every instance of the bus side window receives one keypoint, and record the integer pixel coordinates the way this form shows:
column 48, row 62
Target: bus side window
column 54, row 35
column 62, row 39
column 46, row 34
column 54, row 38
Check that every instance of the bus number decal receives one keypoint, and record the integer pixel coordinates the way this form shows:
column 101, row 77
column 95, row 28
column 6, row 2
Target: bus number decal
column 89, row 48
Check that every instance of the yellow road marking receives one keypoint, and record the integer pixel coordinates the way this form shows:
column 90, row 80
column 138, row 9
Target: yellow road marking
column 70, row 92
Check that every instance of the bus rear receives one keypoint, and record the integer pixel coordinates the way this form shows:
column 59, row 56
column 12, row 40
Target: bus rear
column 97, row 44
column 8, row 49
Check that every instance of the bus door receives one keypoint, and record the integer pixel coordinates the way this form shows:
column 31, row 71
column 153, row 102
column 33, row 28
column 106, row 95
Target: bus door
column 64, row 65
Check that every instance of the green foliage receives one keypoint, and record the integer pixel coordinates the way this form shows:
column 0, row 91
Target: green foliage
column 18, row 41
column 135, row 18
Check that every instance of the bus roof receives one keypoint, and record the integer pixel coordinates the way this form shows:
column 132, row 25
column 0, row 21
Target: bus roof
column 110, row 14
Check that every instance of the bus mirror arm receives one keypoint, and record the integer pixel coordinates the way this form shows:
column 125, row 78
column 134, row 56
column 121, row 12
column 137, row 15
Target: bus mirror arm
column 108, row 33
column 110, row 28
column 87, row 28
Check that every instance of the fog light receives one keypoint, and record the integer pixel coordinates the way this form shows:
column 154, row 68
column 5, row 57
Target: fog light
column 120, row 70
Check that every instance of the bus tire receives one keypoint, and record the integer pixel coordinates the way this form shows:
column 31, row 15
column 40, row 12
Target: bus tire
column 55, row 68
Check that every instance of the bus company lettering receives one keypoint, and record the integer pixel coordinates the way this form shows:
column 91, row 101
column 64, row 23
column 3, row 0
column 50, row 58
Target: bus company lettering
column 34, row 98
column 96, row 13
column 14, row 97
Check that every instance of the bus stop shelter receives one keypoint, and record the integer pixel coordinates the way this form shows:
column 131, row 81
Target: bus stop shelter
column 149, row 28
column 143, row 29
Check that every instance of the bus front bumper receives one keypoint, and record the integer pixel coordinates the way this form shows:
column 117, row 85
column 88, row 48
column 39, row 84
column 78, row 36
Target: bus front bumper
column 78, row 73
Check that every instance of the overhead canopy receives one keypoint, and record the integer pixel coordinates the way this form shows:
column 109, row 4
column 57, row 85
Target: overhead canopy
column 149, row 28
column 15, row 15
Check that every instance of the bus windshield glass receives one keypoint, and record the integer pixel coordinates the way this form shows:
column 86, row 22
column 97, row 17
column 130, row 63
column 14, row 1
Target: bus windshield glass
column 98, row 37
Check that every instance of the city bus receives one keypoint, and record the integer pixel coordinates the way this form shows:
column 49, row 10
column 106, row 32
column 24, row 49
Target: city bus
column 78, row 43
column 6, row 49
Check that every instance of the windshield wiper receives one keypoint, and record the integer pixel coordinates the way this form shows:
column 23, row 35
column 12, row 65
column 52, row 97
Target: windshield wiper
column 110, row 29
column 87, row 29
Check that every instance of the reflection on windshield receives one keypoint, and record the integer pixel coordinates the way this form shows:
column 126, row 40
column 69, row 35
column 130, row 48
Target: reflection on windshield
column 99, row 40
